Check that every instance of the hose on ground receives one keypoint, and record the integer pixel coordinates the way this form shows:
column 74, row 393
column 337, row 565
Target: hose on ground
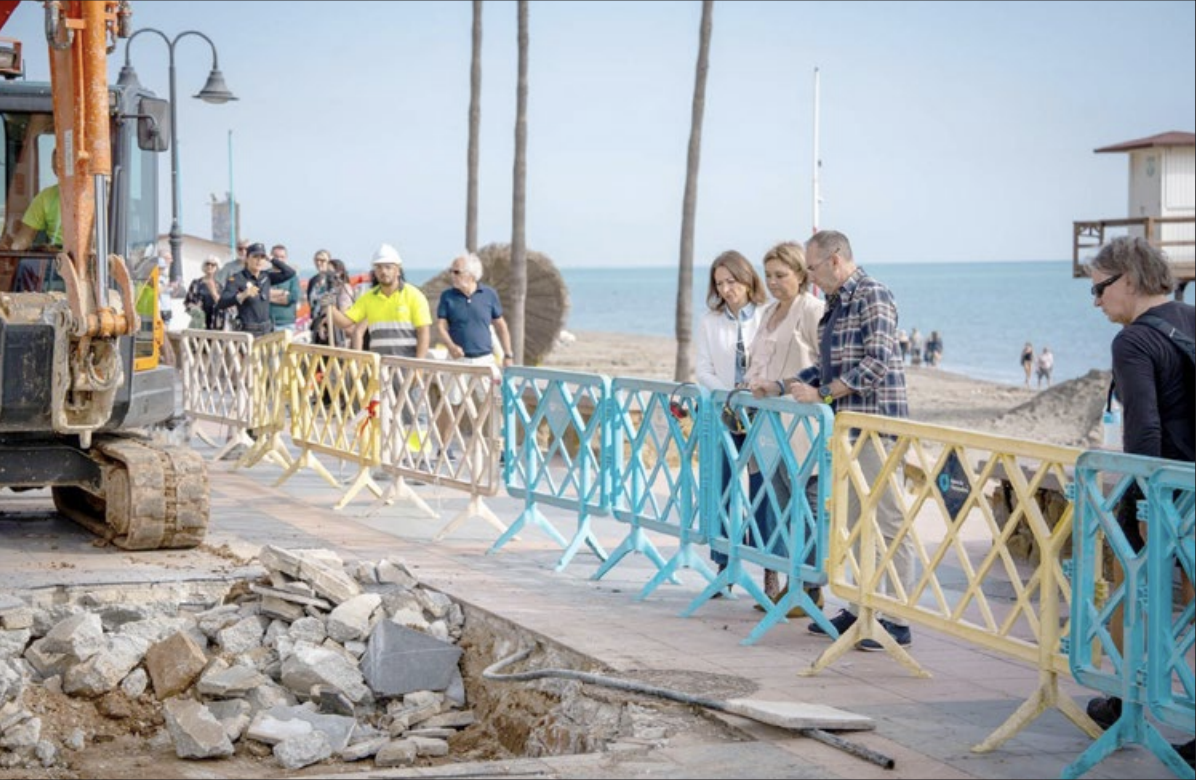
column 821, row 735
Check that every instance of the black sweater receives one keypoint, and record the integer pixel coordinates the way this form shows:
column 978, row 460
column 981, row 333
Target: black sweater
column 1155, row 383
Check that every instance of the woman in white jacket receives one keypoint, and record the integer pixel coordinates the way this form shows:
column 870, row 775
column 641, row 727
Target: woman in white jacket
column 725, row 333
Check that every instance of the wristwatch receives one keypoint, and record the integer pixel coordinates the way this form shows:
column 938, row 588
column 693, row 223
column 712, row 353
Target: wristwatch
column 827, row 396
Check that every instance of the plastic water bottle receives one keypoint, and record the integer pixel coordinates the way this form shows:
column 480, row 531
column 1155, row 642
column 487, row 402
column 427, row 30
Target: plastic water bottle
column 1111, row 426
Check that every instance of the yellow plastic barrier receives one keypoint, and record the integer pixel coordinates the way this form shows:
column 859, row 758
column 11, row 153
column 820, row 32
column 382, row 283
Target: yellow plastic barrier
column 967, row 502
column 267, row 404
column 333, row 403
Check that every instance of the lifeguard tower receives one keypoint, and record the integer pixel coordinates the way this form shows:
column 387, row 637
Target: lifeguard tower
column 1162, row 203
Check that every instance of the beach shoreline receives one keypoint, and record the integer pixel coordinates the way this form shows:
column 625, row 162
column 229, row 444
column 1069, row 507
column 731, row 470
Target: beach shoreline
column 1067, row 414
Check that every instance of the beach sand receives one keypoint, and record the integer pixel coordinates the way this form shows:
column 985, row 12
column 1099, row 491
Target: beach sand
column 1068, row 413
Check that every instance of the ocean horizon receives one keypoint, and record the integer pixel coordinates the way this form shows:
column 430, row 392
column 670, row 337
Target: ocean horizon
column 984, row 311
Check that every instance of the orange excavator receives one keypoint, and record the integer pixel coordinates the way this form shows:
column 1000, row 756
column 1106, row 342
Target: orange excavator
column 81, row 385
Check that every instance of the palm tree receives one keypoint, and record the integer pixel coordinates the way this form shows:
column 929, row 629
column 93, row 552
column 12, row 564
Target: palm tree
column 685, row 275
column 515, row 320
column 475, row 118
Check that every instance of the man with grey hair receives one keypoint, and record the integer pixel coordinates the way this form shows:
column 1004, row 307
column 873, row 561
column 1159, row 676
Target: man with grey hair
column 466, row 312
column 467, row 318
column 860, row 370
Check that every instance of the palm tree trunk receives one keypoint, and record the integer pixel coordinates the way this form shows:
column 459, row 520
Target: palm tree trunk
column 516, row 318
column 475, row 118
column 683, row 371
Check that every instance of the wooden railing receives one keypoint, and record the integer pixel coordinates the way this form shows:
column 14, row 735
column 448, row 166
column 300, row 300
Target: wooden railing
column 1091, row 234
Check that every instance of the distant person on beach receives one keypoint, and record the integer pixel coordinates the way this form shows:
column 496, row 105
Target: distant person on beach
column 1028, row 361
column 915, row 347
column 1046, row 364
column 903, row 343
column 933, row 353
column 1155, row 382
column 785, row 344
column 859, row 370
column 734, row 298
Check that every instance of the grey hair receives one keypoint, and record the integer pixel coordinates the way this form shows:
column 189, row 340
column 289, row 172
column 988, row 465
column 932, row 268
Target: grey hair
column 1145, row 265
column 473, row 264
column 833, row 243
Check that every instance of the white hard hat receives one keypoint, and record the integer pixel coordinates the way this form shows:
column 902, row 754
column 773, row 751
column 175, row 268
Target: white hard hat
column 387, row 254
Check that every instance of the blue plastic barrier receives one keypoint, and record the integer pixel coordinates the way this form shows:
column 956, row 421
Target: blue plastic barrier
column 1143, row 681
column 554, row 445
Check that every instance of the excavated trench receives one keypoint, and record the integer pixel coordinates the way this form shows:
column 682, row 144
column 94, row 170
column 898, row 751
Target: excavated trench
column 533, row 719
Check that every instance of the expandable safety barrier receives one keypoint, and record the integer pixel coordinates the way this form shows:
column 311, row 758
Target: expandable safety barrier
column 655, row 432
column 777, row 448
column 216, row 382
column 1151, row 671
column 267, row 391
column 440, row 424
column 555, row 436
column 973, row 547
column 334, row 410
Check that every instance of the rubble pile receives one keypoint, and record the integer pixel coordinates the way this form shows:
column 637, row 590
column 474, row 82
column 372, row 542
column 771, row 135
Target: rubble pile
column 317, row 660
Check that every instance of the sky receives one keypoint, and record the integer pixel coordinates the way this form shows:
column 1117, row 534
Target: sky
column 949, row 132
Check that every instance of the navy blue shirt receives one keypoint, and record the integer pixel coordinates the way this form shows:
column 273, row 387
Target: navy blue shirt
column 469, row 318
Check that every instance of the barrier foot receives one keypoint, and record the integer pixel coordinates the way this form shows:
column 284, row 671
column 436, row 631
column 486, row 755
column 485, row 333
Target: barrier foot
column 400, row 489
column 305, row 459
column 476, row 508
column 779, row 612
column 533, row 514
column 363, row 480
column 584, row 534
column 1045, row 696
column 204, row 437
column 865, row 627
column 732, row 575
column 271, row 448
column 240, row 440
column 636, row 541
column 686, row 558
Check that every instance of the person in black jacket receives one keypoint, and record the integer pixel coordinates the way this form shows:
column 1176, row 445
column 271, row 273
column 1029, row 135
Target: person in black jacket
column 249, row 290
column 1154, row 380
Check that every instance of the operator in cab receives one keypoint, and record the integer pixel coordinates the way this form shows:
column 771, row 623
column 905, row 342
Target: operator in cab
column 249, row 290
column 44, row 215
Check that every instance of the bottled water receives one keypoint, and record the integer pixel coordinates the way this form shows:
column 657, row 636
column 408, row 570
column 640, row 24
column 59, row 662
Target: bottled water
column 1111, row 425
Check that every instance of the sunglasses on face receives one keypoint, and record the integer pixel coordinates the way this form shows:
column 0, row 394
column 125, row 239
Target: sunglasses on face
column 1099, row 288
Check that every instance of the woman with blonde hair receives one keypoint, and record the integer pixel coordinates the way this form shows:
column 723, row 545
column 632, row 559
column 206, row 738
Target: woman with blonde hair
column 785, row 344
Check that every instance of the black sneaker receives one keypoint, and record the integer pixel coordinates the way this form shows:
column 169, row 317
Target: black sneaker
column 901, row 635
column 843, row 621
column 1105, row 710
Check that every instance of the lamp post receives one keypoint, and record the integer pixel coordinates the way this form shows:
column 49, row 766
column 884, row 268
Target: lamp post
column 214, row 91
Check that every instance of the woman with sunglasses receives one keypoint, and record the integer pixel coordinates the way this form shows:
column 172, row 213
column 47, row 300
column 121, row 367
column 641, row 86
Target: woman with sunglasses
column 1132, row 283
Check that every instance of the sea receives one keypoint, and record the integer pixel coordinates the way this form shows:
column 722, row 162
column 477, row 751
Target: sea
column 985, row 312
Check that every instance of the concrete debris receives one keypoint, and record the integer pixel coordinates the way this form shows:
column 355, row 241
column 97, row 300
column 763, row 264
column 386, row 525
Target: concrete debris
column 283, row 664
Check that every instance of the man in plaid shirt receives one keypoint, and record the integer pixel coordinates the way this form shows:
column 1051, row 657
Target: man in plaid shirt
column 860, row 370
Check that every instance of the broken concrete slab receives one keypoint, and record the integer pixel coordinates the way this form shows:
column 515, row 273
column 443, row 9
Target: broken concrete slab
column 400, row 660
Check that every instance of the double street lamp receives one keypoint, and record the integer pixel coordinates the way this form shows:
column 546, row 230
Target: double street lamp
column 213, row 92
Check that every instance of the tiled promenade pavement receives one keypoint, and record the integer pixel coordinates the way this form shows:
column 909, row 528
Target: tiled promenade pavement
column 927, row 725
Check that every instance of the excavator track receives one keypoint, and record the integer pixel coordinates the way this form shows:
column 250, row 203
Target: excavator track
column 153, row 496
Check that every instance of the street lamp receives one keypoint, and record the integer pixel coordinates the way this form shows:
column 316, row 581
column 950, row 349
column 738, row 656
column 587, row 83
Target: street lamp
column 213, row 92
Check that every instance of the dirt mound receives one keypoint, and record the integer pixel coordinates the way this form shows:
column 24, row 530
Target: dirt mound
column 1068, row 413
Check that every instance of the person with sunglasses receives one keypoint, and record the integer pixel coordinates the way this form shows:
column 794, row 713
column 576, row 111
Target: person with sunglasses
column 1132, row 283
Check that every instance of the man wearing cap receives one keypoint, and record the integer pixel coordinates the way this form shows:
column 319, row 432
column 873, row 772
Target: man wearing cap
column 396, row 313
column 249, row 290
